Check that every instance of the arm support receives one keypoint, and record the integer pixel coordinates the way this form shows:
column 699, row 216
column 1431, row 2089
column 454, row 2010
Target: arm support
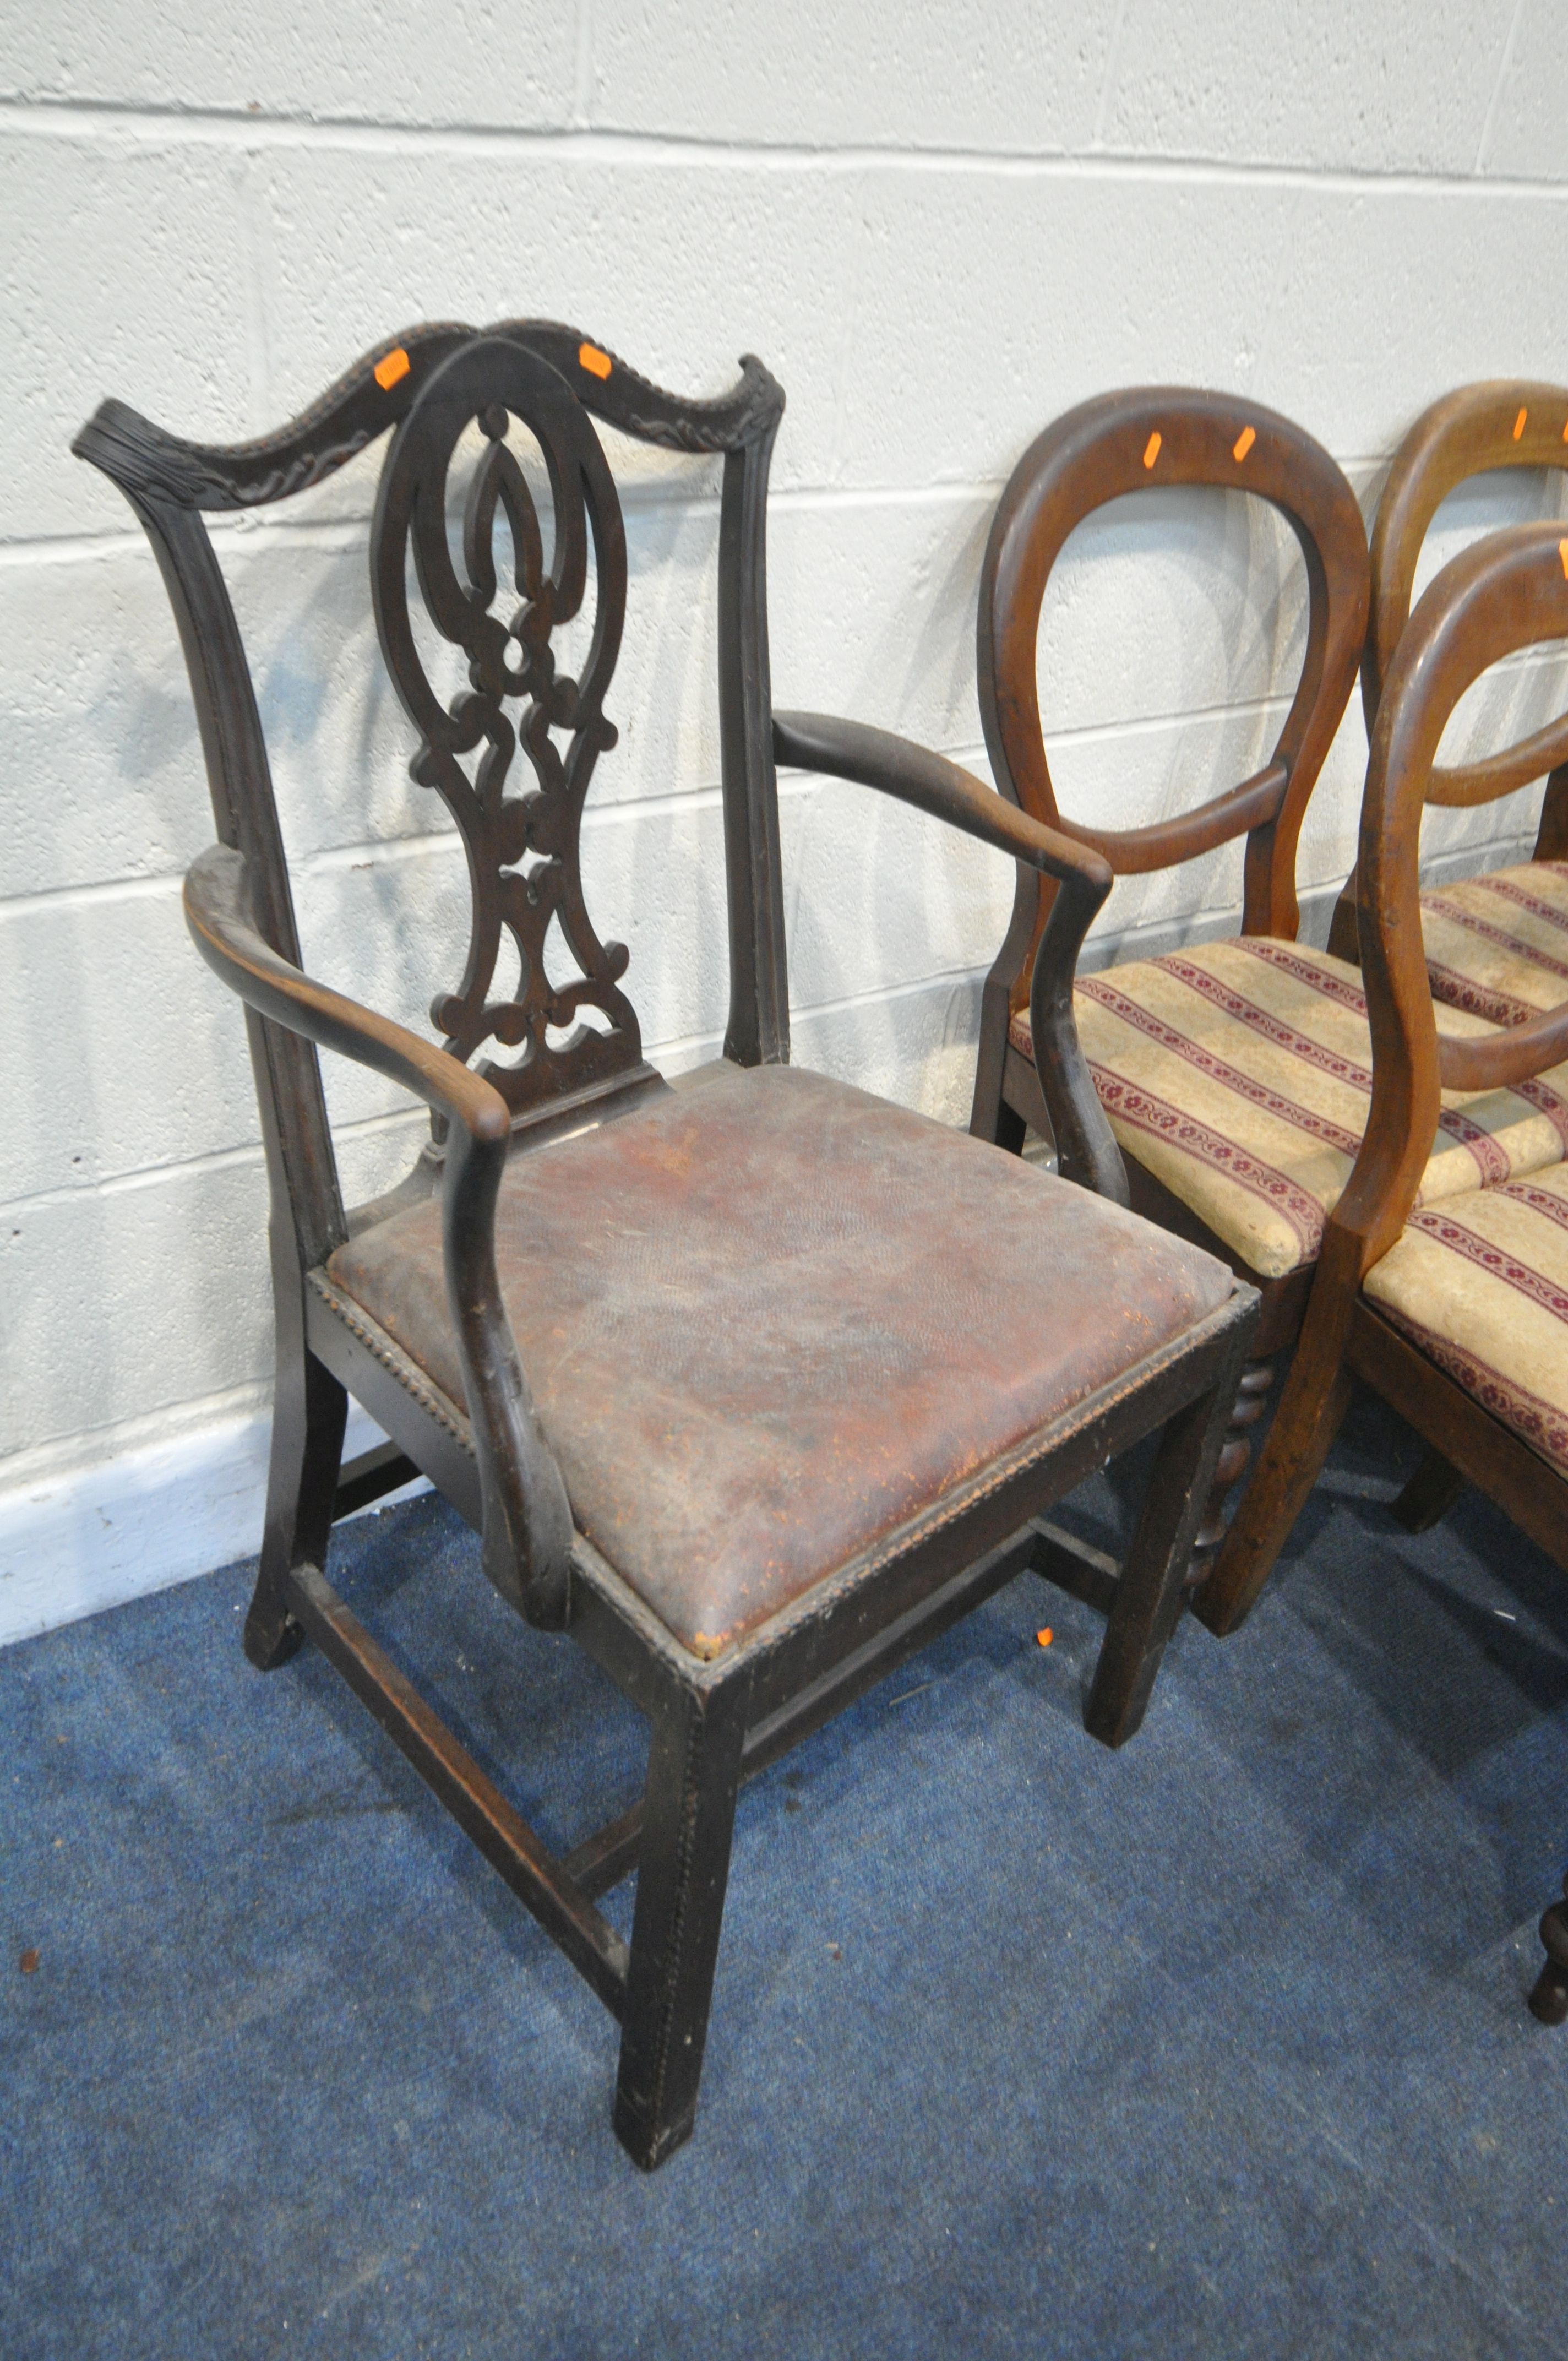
column 1496, row 1061
column 528, row 1521
column 1086, row 1150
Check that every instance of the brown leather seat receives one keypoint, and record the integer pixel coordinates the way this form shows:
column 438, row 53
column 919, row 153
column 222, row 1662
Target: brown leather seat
column 725, row 1276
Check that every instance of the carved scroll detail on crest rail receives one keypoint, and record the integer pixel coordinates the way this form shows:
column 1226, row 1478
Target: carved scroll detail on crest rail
column 510, row 659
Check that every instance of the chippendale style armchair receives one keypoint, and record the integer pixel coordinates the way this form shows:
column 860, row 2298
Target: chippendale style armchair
column 752, row 1385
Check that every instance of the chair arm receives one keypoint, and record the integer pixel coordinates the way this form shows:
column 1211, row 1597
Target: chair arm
column 219, row 915
column 879, row 758
column 1086, row 1148
column 527, row 1518
column 1497, row 1061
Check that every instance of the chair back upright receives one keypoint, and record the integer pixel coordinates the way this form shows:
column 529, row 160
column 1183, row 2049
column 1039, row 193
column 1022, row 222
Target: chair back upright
column 1501, row 423
column 1505, row 593
column 1505, row 423
column 513, row 781
column 1143, row 439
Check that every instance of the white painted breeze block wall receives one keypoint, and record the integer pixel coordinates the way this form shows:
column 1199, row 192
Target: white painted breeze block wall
column 939, row 228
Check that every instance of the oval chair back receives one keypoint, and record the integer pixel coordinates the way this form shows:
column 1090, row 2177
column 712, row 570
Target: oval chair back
column 1149, row 438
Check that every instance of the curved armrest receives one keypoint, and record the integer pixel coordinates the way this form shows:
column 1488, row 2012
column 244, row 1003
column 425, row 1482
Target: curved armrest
column 1086, row 1148
column 528, row 1521
column 1496, row 1061
column 880, row 758
column 223, row 926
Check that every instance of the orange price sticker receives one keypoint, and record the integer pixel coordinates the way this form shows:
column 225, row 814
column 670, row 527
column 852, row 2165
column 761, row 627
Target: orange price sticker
column 391, row 367
column 1244, row 442
column 1518, row 424
column 1043, row 1639
column 597, row 364
column 1151, row 449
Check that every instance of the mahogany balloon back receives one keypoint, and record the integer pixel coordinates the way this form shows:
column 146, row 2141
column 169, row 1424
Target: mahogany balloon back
column 1150, row 438
column 1156, row 438
column 1503, row 596
column 1504, row 422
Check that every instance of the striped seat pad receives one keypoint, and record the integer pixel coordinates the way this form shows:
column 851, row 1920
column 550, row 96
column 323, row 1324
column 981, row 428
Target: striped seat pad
column 1499, row 946
column 1239, row 1073
column 1481, row 1285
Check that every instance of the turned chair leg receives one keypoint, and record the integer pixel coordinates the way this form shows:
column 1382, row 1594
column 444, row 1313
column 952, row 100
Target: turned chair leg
column 1431, row 1491
column 309, row 1413
column 683, row 1867
column 1252, row 1400
column 1548, row 2001
column 1152, row 1588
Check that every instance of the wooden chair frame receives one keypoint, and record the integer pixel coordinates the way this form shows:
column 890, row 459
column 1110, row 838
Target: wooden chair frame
column 1505, row 423
column 1502, row 422
column 712, row 1723
column 1508, row 592
column 1146, row 438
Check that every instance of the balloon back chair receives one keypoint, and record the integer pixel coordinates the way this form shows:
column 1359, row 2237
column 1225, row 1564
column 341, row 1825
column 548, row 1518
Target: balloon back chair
column 1497, row 944
column 1480, row 929
column 1457, row 1309
column 1456, row 1312
column 1235, row 1074
column 750, row 1386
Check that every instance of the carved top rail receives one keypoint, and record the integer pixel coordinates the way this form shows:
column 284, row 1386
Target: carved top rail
column 1146, row 438
column 1505, row 423
column 379, row 392
column 429, row 387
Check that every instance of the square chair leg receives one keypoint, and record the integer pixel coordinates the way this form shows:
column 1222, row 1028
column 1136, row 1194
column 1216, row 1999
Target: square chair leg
column 694, row 1773
column 309, row 1415
column 1153, row 1586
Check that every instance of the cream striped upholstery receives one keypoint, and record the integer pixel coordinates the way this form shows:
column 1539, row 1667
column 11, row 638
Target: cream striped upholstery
column 1480, row 1284
column 1239, row 1074
column 1499, row 946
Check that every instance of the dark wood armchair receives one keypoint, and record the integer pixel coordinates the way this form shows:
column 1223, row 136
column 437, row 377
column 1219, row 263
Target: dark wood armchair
column 752, row 1385
column 1235, row 1074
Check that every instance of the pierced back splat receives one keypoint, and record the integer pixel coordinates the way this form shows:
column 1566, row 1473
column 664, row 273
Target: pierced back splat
column 510, row 657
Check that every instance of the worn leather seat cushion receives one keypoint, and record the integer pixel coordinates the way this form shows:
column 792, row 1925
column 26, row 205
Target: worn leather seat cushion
column 1240, row 1074
column 768, row 1319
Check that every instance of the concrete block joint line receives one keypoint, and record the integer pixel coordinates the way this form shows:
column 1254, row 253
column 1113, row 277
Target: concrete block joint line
column 936, row 246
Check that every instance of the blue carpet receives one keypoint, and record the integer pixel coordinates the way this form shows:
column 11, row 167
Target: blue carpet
column 1214, row 2047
